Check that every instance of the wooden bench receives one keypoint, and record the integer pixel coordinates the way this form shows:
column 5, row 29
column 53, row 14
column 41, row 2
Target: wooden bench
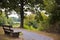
column 8, row 30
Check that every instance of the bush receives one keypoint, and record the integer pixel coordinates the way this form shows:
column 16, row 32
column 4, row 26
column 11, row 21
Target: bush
column 29, row 27
column 41, row 28
column 32, row 28
column 10, row 21
column 26, row 27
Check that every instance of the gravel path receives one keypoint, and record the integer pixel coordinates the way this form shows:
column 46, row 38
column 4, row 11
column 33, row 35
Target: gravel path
column 32, row 36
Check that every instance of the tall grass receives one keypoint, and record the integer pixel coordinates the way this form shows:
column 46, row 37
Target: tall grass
column 29, row 27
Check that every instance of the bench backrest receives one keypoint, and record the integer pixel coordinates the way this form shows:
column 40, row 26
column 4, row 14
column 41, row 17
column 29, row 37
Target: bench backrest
column 7, row 27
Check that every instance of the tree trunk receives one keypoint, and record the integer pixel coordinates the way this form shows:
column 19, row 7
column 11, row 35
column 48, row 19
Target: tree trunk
column 22, row 14
column 6, row 13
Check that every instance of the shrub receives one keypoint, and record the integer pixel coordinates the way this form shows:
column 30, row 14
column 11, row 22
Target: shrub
column 41, row 28
column 32, row 28
column 26, row 27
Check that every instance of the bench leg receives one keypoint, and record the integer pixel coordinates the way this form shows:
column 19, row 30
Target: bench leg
column 7, row 33
column 15, row 34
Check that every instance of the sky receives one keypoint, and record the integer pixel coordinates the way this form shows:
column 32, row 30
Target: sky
column 14, row 14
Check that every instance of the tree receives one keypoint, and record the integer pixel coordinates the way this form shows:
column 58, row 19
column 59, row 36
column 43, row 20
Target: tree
column 22, row 12
column 16, row 5
column 53, row 8
column 9, row 5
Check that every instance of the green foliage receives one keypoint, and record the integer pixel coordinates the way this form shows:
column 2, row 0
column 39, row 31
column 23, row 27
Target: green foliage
column 42, row 24
column 26, row 27
column 10, row 21
column 32, row 28
column 29, row 18
column 38, row 17
column 41, row 28
column 32, row 24
column 16, row 25
column 45, row 17
column 50, row 5
column 58, row 2
column 3, row 19
column 29, row 21
column 29, row 27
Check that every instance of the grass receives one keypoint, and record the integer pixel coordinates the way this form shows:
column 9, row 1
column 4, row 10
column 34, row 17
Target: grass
column 29, row 27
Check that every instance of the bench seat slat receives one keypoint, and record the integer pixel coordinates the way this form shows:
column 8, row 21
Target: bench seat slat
column 8, row 30
column 15, row 30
